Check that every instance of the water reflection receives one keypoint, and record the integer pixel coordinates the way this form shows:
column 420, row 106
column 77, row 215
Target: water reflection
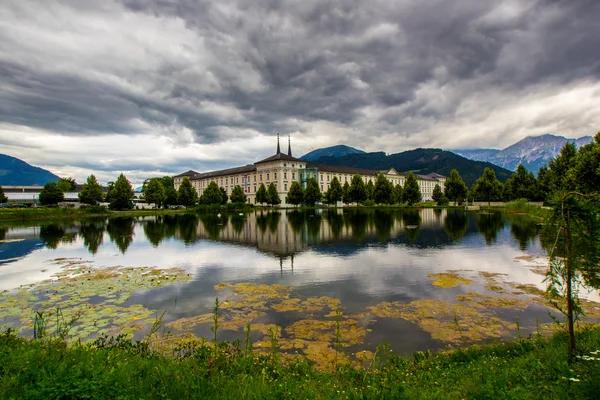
column 120, row 231
column 489, row 224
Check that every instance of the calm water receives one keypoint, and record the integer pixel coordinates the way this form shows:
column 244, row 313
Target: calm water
column 362, row 258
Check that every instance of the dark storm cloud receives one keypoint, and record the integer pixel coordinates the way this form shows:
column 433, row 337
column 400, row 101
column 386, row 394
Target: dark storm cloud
column 268, row 66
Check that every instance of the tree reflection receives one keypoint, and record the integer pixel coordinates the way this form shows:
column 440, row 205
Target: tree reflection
column 412, row 224
column 456, row 224
column 358, row 222
column 336, row 223
column 489, row 224
column 238, row 222
column 3, row 233
column 54, row 234
column 313, row 225
column 120, row 231
column 524, row 229
column 92, row 235
column 384, row 222
column 296, row 220
column 261, row 222
column 273, row 221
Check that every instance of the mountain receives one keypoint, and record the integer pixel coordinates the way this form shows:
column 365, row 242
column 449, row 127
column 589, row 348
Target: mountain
column 533, row 152
column 420, row 161
column 333, row 151
column 17, row 172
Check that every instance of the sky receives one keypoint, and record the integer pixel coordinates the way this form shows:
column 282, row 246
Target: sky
column 156, row 87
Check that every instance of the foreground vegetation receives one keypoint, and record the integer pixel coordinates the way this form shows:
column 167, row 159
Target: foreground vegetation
column 115, row 368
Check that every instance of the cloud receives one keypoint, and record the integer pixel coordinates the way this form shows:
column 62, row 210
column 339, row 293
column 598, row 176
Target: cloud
column 174, row 77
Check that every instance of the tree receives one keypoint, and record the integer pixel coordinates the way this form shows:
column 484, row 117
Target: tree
column 487, row 187
column 295, row 194
column 370, row 188
column 272, row 195
column 3, row 198
column 170, row 192
column 238, row 195
column 109, row 190
column 51, row 194
column 154, row 192
column 335, row 192
column 91, row 192
column 67, row 184
column 524, row 185
column 346, row 193
column 357, row 191
column 438, row 195
column 398, row 190
column 412, row 192
column 121, row 194
column 454, row 188
column 212, row 195
column 261, row 194
column 312, row 194
column 224, row 197
column 383, row 191
column 587, row 167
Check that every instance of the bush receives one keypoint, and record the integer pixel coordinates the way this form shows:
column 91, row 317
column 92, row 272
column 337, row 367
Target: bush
column 369, row 203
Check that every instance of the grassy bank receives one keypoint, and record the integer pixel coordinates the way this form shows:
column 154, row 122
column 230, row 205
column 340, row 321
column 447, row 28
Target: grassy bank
column 524, row 369
column 8, row 214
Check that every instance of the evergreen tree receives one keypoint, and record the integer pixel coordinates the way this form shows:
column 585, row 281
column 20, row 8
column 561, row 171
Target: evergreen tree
column 121, row 194
column 335, row 192
column 587, row 167
column 3, row 198
column 238, row 195
column 261, row 194
column 438, row 195
column 272, row 195
column 154, row 192
column 212, row 195
column 91, row 192
column 561, row 168
column 295, row 194
column 545, row 184
column 51, row 194
column 398, row 191
column 524, row 185
column 383, row 191
column 412, row 192
column 487, row 187
column 346, row 193
column 170, row 192
column 224, row 197
column 357, row 191
column 186, row 194
column 109, row 190
column 312, row 194
column 370, row 189
column 454, row 188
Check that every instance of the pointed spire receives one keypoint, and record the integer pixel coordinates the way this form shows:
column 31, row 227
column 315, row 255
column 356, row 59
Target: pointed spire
column 278, row 149
column 289, row 145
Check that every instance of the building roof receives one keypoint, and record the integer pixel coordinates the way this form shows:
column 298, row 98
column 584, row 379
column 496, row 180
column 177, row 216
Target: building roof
column 279, row 157
column 223, row 172
column 189, row 173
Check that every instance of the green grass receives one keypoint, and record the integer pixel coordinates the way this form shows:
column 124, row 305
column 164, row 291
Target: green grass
column 115, row 368
column 65, row 212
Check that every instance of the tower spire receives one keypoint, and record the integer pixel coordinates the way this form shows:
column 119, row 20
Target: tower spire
column 289, row 145
column 278, row 149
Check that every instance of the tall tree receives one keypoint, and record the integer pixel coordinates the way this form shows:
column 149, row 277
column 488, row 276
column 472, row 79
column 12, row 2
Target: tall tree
column 272, row 195
column 455, row 188
column 109, row 190
column 51, row 194
column 212, row 195
column 561, row 168
column 398, row 191
column 587, row 167
column 295, row 195
column 261, row 194
column 438, row 195
column 238, row 195
column 487, row 187
column 224, row 196
column 91, row 192
column 154, row 192
column 3, row 198
column 358, row 191
column 383, row 191
column 187, row 195
column 370, row 189
column 170, row 192
column 67, row 184
column 335, row 192
column 524, row 185
column 121, row 194
column 312, row 194
column 346, row 193
column 412, row 192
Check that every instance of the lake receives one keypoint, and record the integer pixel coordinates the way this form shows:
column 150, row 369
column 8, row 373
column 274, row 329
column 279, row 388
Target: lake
column 416, row 279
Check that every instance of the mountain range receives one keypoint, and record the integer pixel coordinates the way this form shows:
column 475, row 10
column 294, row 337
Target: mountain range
column 14, row 171
column 334, row 151
column 533, row 152
column 420, row 161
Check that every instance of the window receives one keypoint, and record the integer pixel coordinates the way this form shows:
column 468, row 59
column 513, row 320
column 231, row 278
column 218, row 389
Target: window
column 285, row 175
column 284, row 164
column 327, row 177
column 255, row 188
column 275, row 175
column 267, row 176
column 260, row 177
column 321, row 187
column 321, row 181
column 285, row 187
column 293, row 166
column 293, row 175
column 237, row 179
column 254, row 178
